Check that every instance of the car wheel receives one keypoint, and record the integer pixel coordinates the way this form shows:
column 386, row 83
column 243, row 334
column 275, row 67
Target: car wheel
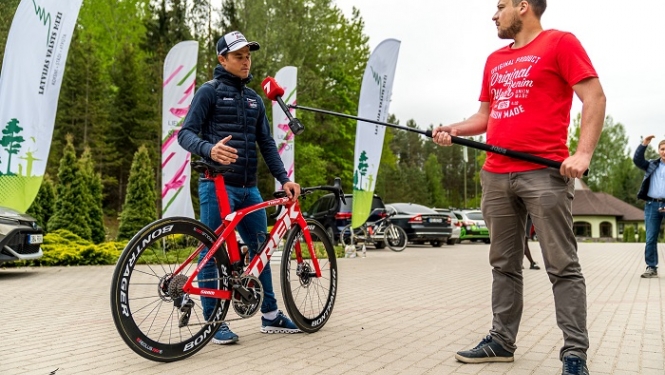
column 436, row 243
column 534, row 237
column 487, row 240
column 451, row 241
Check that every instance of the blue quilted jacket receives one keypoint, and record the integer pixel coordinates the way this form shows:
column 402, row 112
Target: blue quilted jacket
column 226, row 106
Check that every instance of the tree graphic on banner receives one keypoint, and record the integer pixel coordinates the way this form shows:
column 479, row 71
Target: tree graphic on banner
column 362, row 168
column 11, row 141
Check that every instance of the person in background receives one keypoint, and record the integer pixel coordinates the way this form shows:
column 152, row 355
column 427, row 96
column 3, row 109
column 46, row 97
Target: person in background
column 525, row 103
column 527, row 252
column 652, row 191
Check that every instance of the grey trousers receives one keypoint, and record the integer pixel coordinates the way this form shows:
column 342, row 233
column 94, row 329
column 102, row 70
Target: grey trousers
column 547, row 197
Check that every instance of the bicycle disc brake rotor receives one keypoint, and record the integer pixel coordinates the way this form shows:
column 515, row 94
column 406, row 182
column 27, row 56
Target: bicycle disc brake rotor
column 247, row 296
column 304, row 274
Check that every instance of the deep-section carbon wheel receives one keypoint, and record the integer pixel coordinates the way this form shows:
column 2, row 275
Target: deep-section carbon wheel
column 309, row 299
column 152, row 313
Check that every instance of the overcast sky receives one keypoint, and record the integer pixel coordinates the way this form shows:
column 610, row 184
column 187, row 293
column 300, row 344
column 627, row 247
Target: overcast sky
column 445, row 45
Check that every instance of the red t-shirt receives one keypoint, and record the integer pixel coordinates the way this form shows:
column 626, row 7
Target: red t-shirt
column 530, row 94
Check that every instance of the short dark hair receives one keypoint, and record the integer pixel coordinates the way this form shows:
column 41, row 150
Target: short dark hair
column 538, row 6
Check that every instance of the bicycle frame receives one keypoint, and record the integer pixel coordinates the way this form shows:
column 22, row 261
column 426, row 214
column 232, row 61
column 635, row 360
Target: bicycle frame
column 226, row 235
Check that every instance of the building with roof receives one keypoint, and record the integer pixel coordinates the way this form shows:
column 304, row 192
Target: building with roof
column 601, row 215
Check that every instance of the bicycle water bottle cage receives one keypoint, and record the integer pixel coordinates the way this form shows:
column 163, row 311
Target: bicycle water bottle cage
column 209, row 170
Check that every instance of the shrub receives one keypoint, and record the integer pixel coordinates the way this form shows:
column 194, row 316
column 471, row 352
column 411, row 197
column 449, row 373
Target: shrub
column 641, row 235
column 64, row 248
column 629, row 234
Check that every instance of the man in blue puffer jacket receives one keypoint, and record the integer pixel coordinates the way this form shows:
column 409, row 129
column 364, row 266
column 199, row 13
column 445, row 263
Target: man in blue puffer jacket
column 653, row 192
column 225, row 124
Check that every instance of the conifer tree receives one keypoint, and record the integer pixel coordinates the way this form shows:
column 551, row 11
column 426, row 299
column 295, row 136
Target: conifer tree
column 139, row 208
column 44, row 205
column 93, row 181
column 70, row 210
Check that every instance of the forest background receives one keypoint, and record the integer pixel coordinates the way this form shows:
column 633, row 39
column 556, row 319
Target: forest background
column 110, row 101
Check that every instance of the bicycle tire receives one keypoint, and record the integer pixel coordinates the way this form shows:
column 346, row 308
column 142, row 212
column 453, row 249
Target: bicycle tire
column 395, row 237
column 353, row 236
column 309, row 300
column 144, row 306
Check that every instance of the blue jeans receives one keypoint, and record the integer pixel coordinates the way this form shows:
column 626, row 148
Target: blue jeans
column 652, row 220
column 251, row 230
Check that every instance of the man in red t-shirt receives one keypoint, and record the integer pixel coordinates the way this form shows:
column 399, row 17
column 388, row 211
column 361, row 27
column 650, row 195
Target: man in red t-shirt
column 526, row 99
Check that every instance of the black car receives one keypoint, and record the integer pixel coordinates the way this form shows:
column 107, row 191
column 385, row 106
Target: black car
column 334, row 221
column 421, row 224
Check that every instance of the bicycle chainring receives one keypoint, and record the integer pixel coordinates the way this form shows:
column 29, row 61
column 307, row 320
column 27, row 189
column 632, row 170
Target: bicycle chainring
column 250, row 285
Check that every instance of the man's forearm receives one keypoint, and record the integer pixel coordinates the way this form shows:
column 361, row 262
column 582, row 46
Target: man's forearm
column 593, row 118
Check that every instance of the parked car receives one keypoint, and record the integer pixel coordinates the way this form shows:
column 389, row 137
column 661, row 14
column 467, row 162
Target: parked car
column 454, row 222
column 20, row 236
column 334, row 221
column 421, row 224
column 473, row 226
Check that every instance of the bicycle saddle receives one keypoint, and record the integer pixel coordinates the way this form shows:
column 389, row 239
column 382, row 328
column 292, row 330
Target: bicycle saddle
column 212, row 170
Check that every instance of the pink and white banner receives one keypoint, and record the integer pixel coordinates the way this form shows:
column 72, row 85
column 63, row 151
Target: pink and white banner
column 287, row 77
column 179, row 84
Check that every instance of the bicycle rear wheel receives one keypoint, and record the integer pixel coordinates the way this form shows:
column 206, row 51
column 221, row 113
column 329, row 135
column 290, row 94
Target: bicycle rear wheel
column 395, row 237
column 153, row 315
column 353, row 236
column 308, row 299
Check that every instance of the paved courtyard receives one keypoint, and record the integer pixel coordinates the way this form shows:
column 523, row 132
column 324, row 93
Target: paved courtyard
column 396, row 313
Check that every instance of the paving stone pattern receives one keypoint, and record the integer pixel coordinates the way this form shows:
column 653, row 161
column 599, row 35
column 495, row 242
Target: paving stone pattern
column 396, row 313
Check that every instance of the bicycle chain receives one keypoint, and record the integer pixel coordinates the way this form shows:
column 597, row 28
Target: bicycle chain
column 229, row 280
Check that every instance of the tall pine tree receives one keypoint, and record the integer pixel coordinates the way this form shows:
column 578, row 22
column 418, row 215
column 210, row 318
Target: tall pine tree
column 139, row 209
column 93, row 182
column 70, row 212
column 43, row 206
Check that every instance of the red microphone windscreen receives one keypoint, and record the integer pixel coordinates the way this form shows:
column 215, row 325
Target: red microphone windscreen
column 271, row 88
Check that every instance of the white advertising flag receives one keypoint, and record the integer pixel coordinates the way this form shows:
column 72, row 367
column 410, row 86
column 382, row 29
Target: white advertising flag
column 179, row 84
column 287, row 77
column 32, row 71
column 375, row 93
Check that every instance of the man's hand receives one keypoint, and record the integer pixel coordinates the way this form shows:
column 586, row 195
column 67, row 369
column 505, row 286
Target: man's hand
column 441, row 135
column 575, row 165
column 292, row 190
column 647, row 140
column 222, row 153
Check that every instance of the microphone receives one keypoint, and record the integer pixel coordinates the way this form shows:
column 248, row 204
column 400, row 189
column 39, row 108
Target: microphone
column 274, row 92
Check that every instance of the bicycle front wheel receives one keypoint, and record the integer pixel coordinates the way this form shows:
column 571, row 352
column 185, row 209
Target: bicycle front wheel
column 395, row 237
column 153, row 315
column 309, row 299
column 353, row 236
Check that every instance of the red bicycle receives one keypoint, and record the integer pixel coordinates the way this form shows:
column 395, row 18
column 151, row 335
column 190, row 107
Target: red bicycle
column 156, row 296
